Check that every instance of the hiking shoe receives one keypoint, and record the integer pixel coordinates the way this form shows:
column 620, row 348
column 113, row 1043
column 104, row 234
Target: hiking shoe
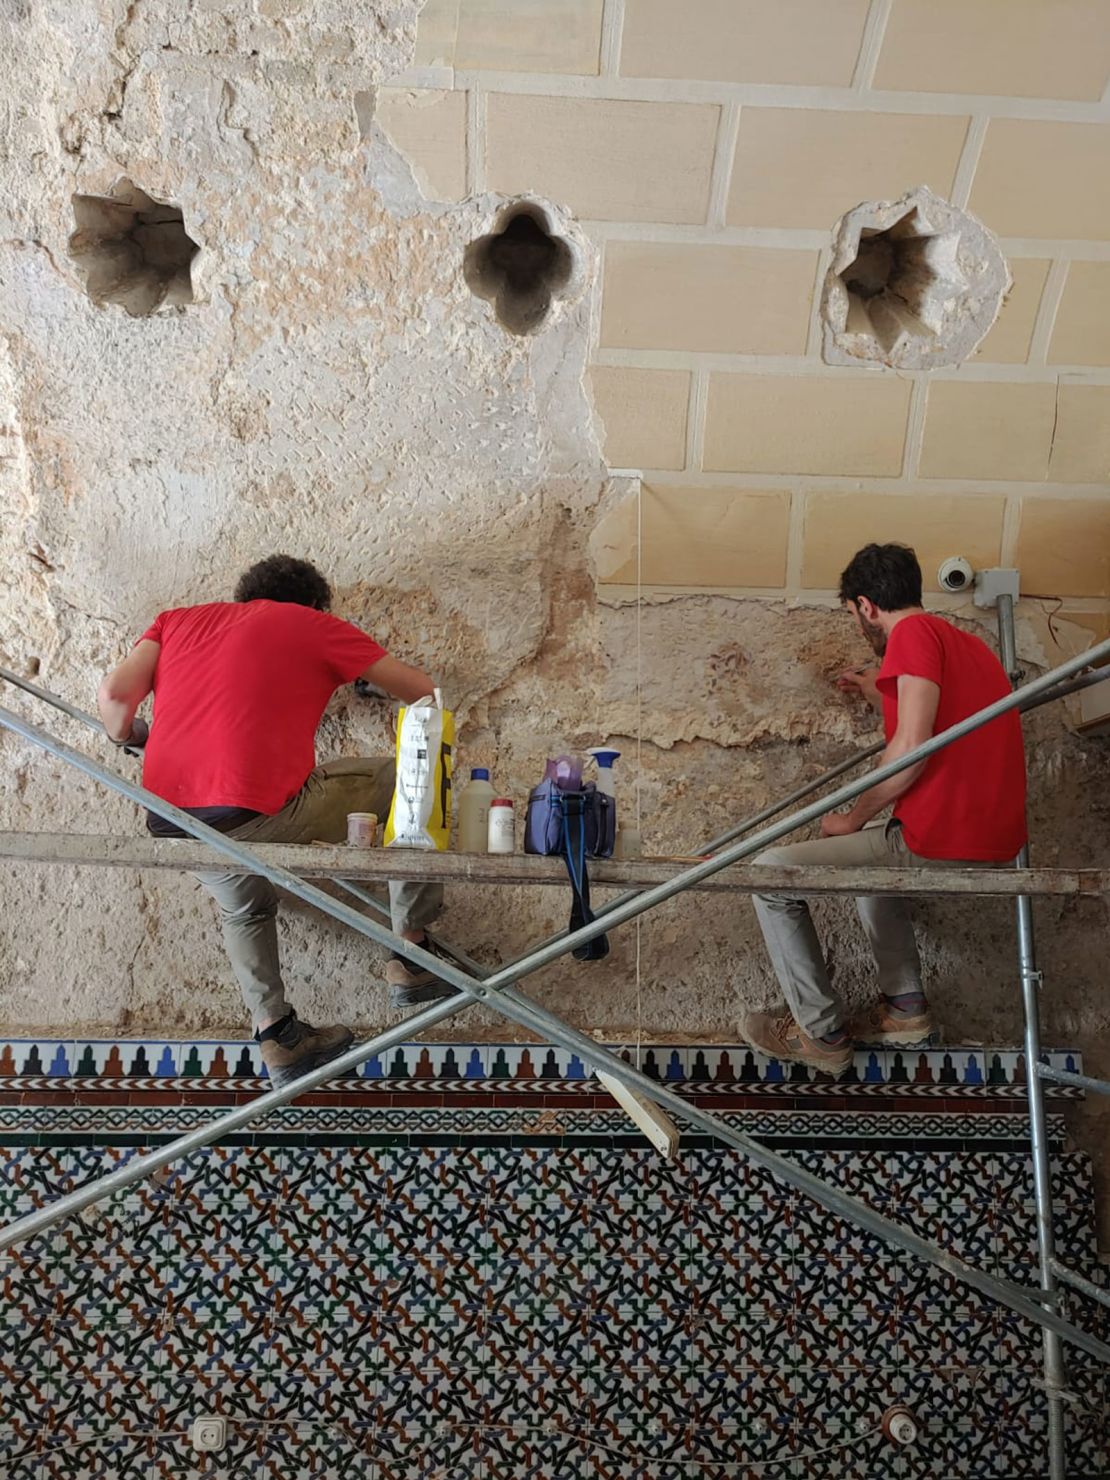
column 881, row 1023
column 780, row 1037
column 299, row 1047
column 410, row 985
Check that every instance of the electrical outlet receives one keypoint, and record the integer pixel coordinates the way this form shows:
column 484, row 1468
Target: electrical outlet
column 209, row 1434
column 900, row 1425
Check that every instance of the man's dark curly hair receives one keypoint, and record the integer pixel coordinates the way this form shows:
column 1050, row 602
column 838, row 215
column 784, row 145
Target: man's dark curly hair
column 284, row 578
column 888, row 575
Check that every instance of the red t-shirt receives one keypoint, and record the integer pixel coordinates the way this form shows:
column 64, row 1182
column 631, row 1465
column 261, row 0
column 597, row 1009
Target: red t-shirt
column 239, row 690
column 969, row 802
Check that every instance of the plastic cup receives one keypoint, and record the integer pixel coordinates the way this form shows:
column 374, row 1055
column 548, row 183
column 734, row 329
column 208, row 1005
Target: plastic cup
column 362, row 829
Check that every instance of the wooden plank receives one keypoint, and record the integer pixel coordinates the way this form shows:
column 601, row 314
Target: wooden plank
column 376, row 865
column 655, row 1123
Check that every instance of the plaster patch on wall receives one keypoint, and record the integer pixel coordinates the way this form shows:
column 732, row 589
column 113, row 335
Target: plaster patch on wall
column 913, row 283
column 365, row 102
column 133, row 250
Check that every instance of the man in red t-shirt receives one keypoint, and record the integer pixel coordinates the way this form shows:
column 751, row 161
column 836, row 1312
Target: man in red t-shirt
column 964, row 805
column 239, row 689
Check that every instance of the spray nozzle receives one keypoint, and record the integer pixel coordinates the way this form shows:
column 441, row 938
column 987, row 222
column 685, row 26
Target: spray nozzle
column 603, row 756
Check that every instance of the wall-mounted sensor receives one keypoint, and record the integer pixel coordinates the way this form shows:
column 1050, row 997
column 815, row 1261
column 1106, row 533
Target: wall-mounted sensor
column 956, row 574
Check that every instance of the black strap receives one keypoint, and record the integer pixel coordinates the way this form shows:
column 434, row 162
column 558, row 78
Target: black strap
column 275, row 1030
column 573, row 806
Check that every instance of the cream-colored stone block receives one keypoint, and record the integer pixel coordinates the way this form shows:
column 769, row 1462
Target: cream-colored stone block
column 429, row 128
column 1063, row 546
column 1008, row 342
column 1024, row 49
column 1081, row 334
column 729, row 300
column 436, row 31
column 935, row 525
column 712, row 538
column 807, row 42
column 529, row 35
column 644, row 413
column 981, row 429
column 804, row 167
column 1044, row 179
column 838, row 425
column 1081, row 445
column 1095, row 623
column 606, row 160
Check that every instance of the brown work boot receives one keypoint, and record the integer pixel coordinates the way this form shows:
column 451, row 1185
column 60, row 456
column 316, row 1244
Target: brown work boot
column 297, row 1047
column 882, row 1023
column 410, row 985
column 780, row 1037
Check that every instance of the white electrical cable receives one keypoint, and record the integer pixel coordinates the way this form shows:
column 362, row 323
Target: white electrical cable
column 549, row 1430
column 94, row 1436
column 639, row 744
column 720, row 1467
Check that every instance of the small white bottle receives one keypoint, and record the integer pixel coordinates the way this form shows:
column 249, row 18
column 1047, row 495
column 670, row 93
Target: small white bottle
column 473, row 812
column 502, row 832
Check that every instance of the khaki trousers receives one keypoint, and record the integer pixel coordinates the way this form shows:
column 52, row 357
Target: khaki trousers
column 792, row 941
column 248, row 904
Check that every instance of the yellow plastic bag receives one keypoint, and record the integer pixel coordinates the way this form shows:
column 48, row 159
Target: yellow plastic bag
column 420, row 815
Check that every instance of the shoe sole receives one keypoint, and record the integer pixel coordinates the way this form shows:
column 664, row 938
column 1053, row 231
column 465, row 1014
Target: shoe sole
column 894, row 1039
column 834, row 1073
column 279, row 1078
column 434, row 991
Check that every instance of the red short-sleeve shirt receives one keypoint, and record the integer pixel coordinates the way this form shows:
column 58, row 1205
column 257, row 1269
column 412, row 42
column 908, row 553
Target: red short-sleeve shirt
column 239, row 690
column 969, row 801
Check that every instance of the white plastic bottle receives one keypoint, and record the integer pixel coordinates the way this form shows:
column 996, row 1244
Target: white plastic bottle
column 473, row 812
column 605, row 758
column 502, row 828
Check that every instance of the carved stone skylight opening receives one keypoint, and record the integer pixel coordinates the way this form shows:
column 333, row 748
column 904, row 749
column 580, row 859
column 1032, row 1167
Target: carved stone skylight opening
column 133, row 250
column 522, row 268
column 913, row 283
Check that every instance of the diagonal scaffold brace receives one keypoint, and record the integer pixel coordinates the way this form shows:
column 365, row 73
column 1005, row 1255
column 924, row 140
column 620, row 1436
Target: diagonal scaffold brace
column 497, row 989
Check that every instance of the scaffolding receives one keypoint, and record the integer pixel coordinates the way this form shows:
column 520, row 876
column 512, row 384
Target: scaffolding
column 498, row 989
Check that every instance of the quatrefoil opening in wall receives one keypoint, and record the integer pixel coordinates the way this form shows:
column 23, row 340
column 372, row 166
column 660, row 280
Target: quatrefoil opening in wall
column 914, row 283
column 523, row 267
column 133, row 250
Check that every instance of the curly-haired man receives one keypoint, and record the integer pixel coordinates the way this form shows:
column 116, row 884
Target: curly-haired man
column 239, row 690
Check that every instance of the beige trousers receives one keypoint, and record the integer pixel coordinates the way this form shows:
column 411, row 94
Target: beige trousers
column 792, row 941
column 248, row 904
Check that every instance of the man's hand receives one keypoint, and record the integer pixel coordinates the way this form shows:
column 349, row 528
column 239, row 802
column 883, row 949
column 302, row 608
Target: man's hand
column 861, row 681
column 140, row 734
column 367, row 690
column 839, row 825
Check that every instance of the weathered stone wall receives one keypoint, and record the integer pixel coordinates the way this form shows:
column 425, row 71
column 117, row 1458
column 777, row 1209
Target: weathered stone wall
column 335, row 390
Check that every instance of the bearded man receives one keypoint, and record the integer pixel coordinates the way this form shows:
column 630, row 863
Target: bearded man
column 965, row 805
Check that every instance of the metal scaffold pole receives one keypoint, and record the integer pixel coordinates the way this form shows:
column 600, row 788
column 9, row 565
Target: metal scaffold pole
column 495, row 989
column 1054, row 1374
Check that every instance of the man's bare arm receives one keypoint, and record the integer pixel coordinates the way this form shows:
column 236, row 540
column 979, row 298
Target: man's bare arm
column 124, row 689
column 398, row 679
column 917, row 712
